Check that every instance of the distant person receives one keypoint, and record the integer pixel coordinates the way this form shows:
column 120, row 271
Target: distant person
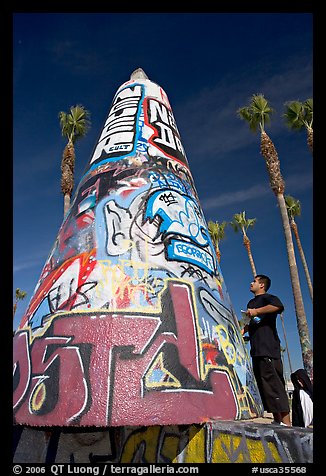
column 302, row 401
column 265, row 349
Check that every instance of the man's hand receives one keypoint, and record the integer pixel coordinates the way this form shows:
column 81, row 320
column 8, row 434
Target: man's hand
column 252, row 312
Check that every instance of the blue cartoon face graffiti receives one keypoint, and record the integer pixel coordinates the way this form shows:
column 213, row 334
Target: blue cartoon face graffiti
column 181, row 217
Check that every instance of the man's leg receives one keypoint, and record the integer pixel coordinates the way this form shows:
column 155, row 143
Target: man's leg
column 272, row 388
column 277, row 417
column 282, row 417
column 285, row 418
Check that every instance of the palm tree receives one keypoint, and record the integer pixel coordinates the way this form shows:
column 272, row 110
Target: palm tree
column 257, row 114
column 294, row 209
column 299, row 116
column 217, row 233
column 19, row 296
column 240, row 222
column 286, row 343
column 74, row 125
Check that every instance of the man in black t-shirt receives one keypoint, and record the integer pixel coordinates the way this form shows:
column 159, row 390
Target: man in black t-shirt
column 265, row 349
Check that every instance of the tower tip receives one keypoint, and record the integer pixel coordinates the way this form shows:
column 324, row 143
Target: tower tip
column 138, row 74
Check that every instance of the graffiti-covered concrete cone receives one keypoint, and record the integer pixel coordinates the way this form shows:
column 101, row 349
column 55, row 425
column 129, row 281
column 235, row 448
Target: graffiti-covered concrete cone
column 130, row 322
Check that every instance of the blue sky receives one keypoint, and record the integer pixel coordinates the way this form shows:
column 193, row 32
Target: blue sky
column 209, row 64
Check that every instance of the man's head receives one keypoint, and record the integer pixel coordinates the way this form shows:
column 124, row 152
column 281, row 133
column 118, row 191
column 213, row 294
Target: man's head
column 260, row 284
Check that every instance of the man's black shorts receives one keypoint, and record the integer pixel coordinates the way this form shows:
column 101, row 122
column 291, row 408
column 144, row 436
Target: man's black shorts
column 271, row 385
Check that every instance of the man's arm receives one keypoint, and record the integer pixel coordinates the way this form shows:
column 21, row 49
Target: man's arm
column 264, row 310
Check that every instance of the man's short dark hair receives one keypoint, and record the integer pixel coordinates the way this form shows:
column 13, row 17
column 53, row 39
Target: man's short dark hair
column 262, row 278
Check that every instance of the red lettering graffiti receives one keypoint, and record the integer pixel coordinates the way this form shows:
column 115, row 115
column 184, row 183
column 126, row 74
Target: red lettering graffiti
column 57, row 387
column 93, row 373
column 21, row 367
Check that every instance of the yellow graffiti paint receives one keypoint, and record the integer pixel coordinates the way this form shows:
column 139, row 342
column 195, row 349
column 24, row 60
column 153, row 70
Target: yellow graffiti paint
column 227, row 346
column 239, row 449
column 157, row 442
column 272, row 448
column 195, row 450
column 170, row 448
column 169, row 379
column 38, row 397
column 246, row 402
column 148, row 438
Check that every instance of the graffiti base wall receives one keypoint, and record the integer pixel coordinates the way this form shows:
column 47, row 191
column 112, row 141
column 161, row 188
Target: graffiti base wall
column 220, row 442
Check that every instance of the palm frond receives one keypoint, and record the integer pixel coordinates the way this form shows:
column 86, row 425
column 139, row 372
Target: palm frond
column 293, row 206
column 257, row 114
column 298, row 115
column 294, row 115
column 76, row 123
column 240, row 222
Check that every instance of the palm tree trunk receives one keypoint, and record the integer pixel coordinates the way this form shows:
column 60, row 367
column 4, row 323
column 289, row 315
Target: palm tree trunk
column 310, row 139
column 269, row 153
column 246, row 243
column 14, row 309
column 66, row 204
column 303, row 259
column 67, row 174
column 218, row 254
column 286, row 343
column 306, row 350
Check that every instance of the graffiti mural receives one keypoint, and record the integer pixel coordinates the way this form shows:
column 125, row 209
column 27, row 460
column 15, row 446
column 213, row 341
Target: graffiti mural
column 219, row 442
column 130, row 322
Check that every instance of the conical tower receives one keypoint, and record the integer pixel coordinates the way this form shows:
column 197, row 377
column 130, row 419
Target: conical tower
column 130, row 322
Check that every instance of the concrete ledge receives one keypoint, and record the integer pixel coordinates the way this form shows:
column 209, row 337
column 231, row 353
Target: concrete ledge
column 214, row 442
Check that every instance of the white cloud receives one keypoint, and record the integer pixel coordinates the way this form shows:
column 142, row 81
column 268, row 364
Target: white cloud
column 295, row 183
column 28, row 264
column 208, row 121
